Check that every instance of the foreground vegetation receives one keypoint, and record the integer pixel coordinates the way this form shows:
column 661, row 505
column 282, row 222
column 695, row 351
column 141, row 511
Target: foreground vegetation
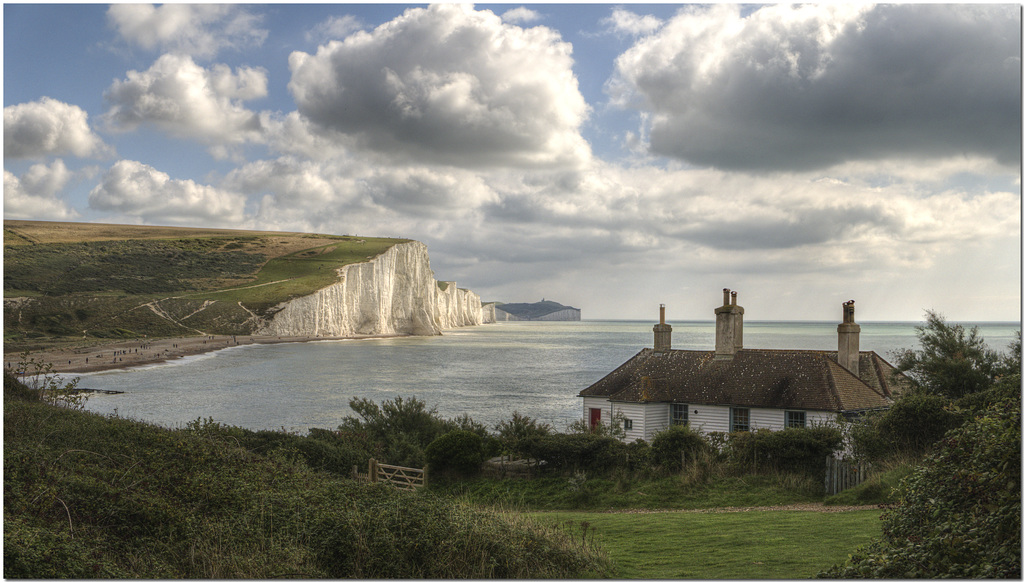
column 93, row 497
column 957, row 513
column 81, row 281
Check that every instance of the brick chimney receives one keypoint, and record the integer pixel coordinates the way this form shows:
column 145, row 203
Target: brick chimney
column 728, row 327
column 849, row 341
column 662, row 334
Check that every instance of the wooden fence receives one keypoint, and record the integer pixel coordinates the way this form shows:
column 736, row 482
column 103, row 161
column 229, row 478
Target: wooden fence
column 840, row 475
column 401, row 477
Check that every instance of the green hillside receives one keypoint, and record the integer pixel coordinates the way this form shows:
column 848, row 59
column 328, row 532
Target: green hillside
column 79, row 280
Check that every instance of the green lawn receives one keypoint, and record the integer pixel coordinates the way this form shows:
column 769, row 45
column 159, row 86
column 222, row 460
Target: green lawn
column 747, row 545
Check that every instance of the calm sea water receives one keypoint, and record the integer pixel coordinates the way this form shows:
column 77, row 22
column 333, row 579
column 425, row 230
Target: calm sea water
column 489, row 371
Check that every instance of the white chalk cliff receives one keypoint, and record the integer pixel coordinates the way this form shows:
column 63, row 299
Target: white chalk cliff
column 393, row 293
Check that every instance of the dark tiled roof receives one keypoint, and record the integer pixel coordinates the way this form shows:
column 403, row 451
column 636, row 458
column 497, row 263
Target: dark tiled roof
column 801, row 379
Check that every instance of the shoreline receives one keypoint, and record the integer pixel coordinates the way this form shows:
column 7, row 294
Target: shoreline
column 119, row 355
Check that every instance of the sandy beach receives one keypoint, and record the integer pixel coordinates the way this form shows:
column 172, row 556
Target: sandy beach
column 130, row 353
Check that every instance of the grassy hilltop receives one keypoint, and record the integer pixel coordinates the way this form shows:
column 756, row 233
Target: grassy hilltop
column 79, row 280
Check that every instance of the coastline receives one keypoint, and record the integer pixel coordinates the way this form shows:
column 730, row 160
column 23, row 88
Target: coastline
column 141, row 352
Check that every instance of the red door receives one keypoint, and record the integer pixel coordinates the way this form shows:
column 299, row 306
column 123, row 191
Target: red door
column 595, row 417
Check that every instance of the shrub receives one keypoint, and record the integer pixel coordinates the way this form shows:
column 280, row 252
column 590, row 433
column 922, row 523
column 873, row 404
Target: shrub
column 674, row 446
column 639, row 456
column 459, row 451
column 796, row 450
column 571, row 452
column 912, row 425
column 513, row 431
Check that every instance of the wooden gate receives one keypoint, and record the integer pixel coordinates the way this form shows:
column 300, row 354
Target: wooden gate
column 402, row 477
column 840, row 475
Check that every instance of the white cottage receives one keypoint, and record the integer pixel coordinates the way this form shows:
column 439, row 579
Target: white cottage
column 736, row 389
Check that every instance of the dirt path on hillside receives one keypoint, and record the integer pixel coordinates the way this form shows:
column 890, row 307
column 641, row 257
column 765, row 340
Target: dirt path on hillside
column 127, row 354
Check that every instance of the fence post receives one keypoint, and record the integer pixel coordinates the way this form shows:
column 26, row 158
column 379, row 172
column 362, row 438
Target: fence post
column 373, row 470
column 425, row 469
column 355, row 472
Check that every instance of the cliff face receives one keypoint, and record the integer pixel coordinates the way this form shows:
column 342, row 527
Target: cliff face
column 393, row 293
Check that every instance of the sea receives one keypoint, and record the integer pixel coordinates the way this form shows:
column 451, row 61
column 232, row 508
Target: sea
column 487, row 371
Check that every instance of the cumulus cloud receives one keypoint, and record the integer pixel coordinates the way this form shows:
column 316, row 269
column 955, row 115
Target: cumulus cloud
column 448, row 85
column 189, row 101
column 811, row 86
column 49, row 128
column 200, row 30
column 134, row 189
column 34, row 195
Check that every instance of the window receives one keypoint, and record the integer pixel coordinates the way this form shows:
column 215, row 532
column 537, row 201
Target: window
column 680, row 414
column 796, row 419
column 739, row 419
column 627, row 423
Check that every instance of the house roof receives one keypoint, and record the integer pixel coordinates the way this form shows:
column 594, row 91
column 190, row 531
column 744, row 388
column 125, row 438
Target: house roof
column 796, row 379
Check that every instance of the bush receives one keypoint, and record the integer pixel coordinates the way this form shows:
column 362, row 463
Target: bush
column 511, row 432
column 574, row 452
column 639, row 456
column 911, row 426
column 402, row 427
column 958, row 514
column 678, row 445
column 459, row 451
column 795, row 450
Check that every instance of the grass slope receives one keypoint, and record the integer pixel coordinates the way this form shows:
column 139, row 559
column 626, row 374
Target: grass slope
column 71, row 280
column 92, row 497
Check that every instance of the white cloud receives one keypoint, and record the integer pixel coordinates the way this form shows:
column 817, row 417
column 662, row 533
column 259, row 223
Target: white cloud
column 520, row 15
column 334, row 28
column 34, row 195
column 811, row 86
column 134, row 189
column 624, row 21
column 188, row 101
column 49, row 128
column 448, row 85
column 200, row 30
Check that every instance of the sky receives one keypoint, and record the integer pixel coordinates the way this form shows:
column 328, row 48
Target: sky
column 612, row 157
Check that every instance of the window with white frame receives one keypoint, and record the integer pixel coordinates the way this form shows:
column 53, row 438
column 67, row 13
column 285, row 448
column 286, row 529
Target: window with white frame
column 627, row 423
column 680, row 414
column 796, row 419
column 739, row 419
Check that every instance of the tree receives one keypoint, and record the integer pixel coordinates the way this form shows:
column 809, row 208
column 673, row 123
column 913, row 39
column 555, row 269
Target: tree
column 952, row 362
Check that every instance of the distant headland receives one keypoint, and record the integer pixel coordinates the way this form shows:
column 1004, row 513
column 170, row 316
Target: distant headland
column 543, row 310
